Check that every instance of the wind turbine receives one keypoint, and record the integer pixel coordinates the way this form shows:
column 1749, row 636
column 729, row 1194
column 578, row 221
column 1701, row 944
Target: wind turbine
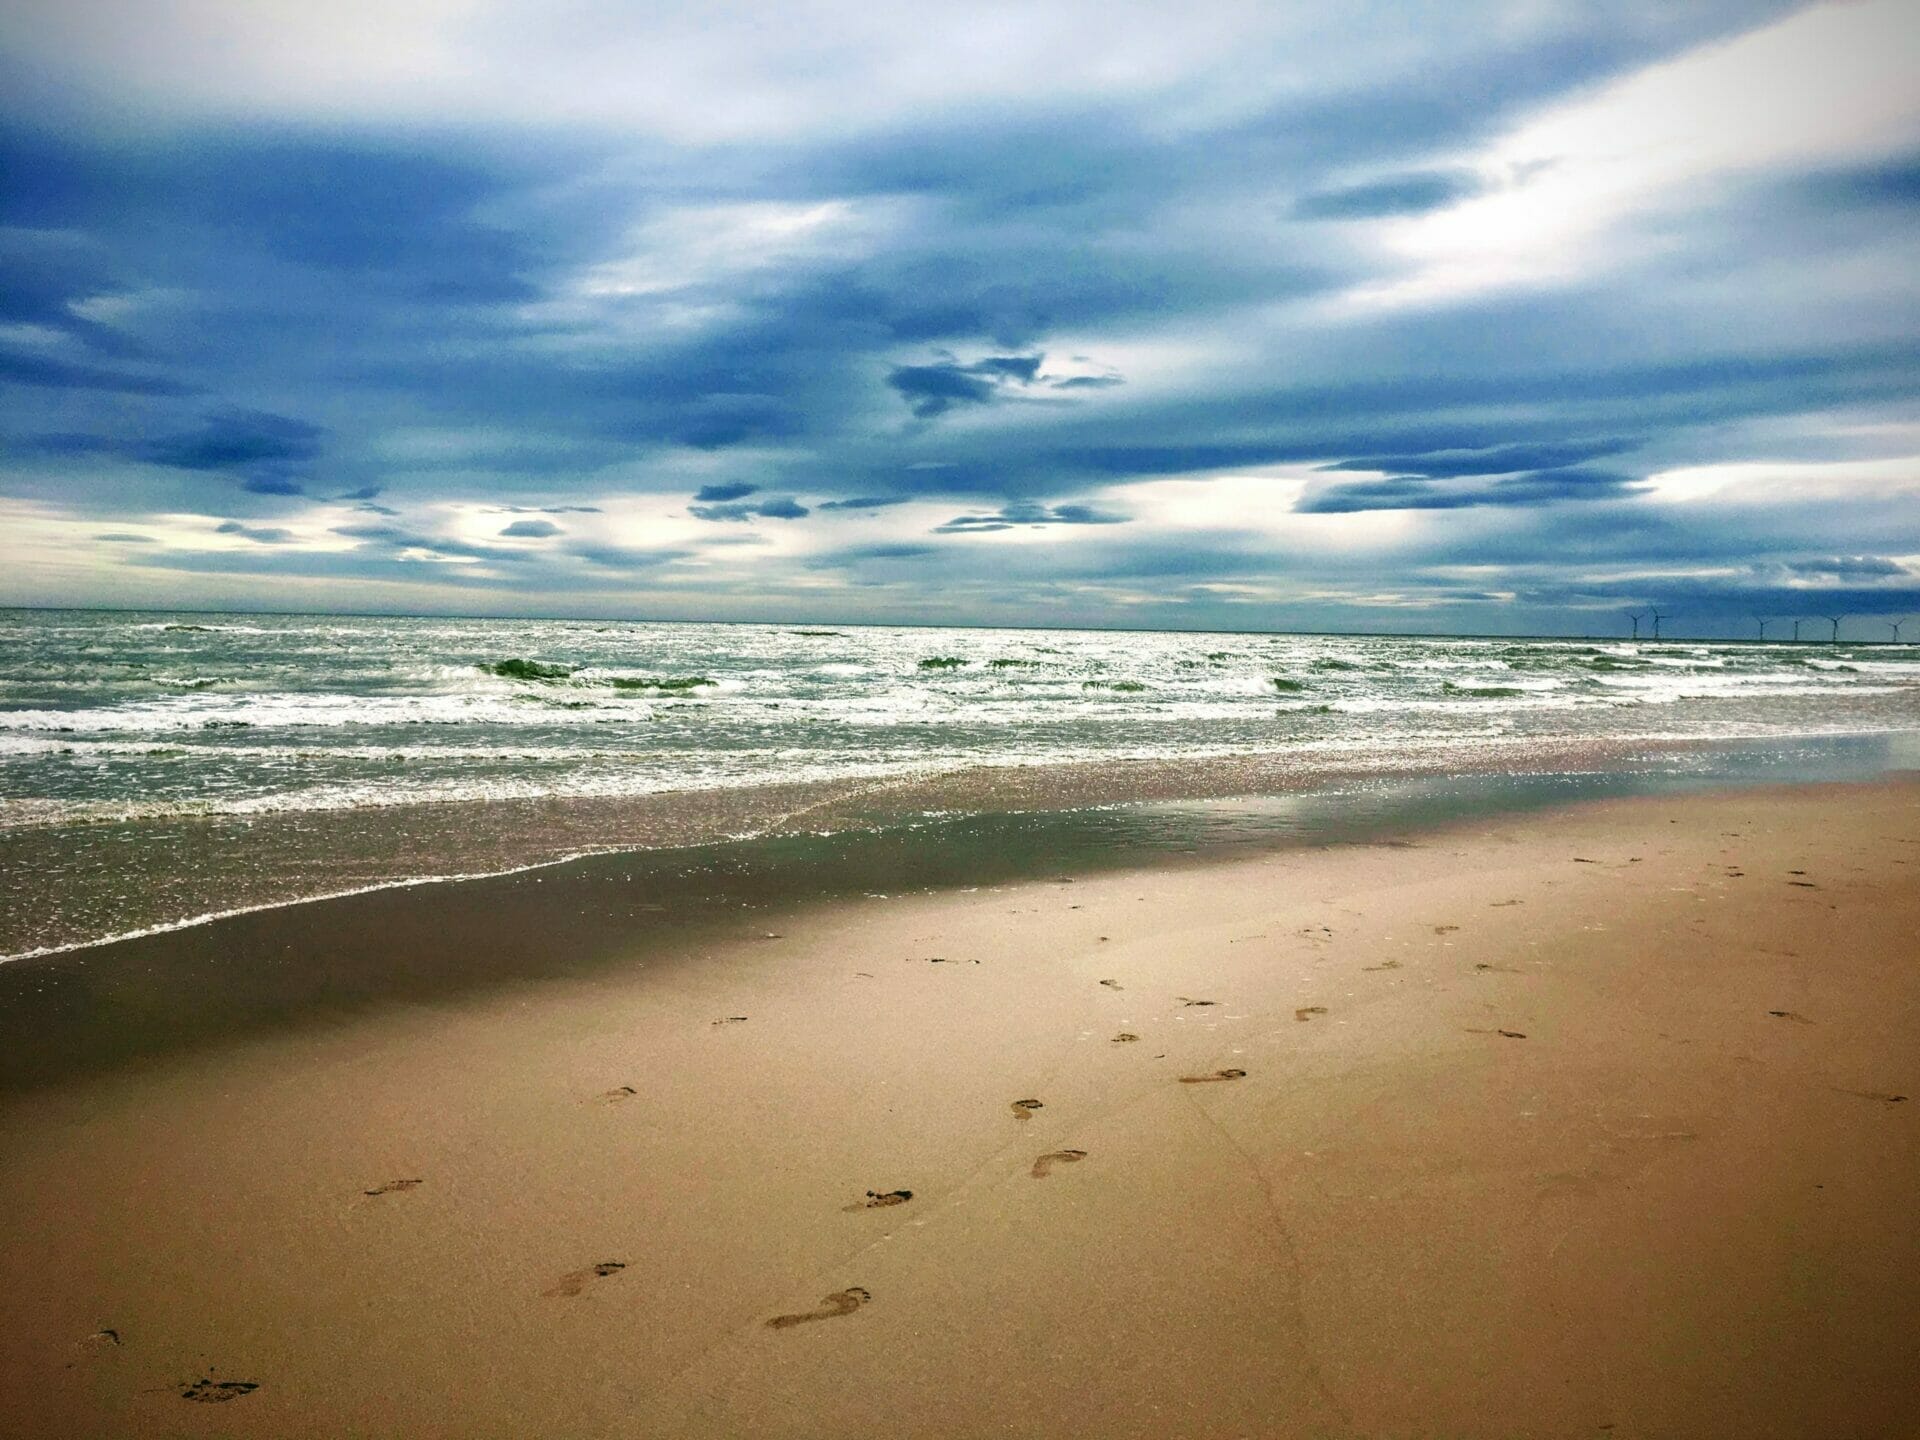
column 1657, row 618
column 1761, row 621
column 1634, row 616
column 1796, row 632
column 1894, row 625
column 1834, row 620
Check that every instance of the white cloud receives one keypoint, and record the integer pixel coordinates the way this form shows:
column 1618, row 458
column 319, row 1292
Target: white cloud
column 1767, row 482
column 734, row 70
column 1831, row 84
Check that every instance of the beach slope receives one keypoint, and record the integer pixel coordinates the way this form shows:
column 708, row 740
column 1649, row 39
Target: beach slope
column 1590, row 1122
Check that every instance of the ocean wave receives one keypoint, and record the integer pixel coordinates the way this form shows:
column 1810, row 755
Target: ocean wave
column 118, row 712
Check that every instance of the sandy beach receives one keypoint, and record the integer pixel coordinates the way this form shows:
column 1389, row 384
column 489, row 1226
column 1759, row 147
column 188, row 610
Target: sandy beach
column 1588, row 1122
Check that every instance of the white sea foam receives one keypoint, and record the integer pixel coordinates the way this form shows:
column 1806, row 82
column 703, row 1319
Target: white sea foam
column 133, row 716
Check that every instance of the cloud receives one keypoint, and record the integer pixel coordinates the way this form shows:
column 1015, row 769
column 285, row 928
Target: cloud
column 259, row 534
column 619, row 557
column 774, row 507
column 1490, row 460
column 56, row 374
column 119, row 537
column 398, row 540
column 238, row 440
column 270, row 485
column 1392, row 308
column 932, row 390
column 1410, row 193
column 1028, row 513
column 1414, row 492
column 864, row 502
column 1849, row 567
column 531, row 529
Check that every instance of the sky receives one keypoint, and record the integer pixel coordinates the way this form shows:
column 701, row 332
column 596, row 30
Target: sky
column 1505, row 316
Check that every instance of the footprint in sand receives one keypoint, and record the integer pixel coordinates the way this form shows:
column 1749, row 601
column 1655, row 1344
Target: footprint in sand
column 1445, row 929
column 1510, row 1034
column 1790, row 1015
column 1023, row 1109
column 393, row 1186
column 1185, row 1001
column 1804, row 884
column 1043, row 1167
column 730, row 1019
column 1383, row 965
column 1502, row 904
column 1125, row 1037
column 1307, row 1012
column 879, row 1199
column 574, row 1281
column 209, row 1391
column 1882, row 1096
column 616, row 1095
column 1209, row 1079
column 104, row 1338
column 1113, row 984
column 841, row 1302
column 1496, row 969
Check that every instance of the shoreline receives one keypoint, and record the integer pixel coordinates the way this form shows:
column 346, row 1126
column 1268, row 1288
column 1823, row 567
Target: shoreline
column 137, row 999
column 332, row 854
column 1590, row 1118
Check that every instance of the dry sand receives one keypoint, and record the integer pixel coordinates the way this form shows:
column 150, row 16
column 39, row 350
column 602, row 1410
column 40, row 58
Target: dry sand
column 1585, row 1123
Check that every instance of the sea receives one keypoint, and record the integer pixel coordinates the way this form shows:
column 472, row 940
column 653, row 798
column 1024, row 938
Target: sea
column 158, row 768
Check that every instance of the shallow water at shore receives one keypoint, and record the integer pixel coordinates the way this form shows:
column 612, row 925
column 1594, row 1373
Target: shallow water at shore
column 333, row 959
column 102, row 881
column 156, row 770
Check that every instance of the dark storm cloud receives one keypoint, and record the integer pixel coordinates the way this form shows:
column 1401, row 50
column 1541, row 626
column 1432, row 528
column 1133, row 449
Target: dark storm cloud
column 720, row 494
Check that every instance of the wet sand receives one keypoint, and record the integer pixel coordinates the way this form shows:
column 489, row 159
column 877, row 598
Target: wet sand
column 1590, row 1122
column 121, row 878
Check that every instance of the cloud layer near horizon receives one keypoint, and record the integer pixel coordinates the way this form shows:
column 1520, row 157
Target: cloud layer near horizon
column 1065, row 314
